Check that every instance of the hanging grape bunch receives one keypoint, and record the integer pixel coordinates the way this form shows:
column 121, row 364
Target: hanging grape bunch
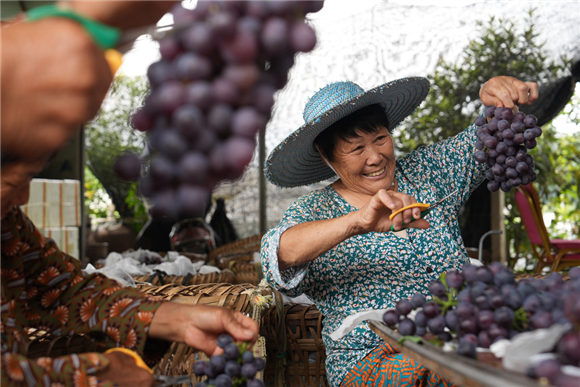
column 236, row 366
column 212, row 91
column 503, row 143
column 481, row 305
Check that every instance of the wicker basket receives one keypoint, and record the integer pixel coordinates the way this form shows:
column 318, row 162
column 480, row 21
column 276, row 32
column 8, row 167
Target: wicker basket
column 180, row 358
column 236, row 248
column 225, row 276
column 301, row 358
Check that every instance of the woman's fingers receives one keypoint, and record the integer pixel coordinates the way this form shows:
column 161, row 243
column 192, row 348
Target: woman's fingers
column 508, row 91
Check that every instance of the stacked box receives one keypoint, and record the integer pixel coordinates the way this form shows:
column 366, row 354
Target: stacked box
column 55, row 208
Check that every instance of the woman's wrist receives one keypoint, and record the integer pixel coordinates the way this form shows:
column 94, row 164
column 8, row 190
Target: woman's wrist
column 168, row 322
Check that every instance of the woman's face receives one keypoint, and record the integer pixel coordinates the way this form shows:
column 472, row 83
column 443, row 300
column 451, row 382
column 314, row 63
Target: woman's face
column 15, row 183
column 366, row 164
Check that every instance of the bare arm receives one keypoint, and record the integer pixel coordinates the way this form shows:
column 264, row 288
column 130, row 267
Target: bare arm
column 305, row 242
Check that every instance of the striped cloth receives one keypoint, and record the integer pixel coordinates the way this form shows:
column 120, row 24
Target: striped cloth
column 386, row 367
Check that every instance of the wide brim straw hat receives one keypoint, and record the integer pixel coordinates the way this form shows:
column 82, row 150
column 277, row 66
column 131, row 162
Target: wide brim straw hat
column 296, row 162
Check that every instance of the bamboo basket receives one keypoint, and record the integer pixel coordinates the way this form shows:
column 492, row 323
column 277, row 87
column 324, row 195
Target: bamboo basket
column 246, row 299
column 240, row 247
column 300, row 356
column 158, row 278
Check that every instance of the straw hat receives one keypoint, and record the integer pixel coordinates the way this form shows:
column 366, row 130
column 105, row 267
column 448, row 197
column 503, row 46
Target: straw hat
column 296, row 161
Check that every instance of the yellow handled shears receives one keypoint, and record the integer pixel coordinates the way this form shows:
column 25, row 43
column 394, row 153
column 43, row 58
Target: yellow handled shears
column 426, row 208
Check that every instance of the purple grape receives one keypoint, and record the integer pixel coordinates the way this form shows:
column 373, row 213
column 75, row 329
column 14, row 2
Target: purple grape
column 223, row 380
column 482, row 302
column 231, row 351
column 530, row 121
column 417, row 300
column 451, row 320
column 467, row 349
column 430, row 309
column 574, row 273
column 493, row 186
column 247, row 122
column 220, row 118
column 503, row 125
column 511, row 161
column 193, row 200
column 514, row 300
column 489, row 111
column 406, row 327
column 222, row 24
column 225, row 91
column 436, row 324
column 167, row 97
column 464, row 296
column 199, row 94
column 242, row 48
column 492, row 124
column 541, row 319
column 444, row 336
column 259, row 363
column 274, row 35
column 223, row 340
column 532, row 303
column 232, row 368
column 437, row 288
column 254, row 382
column 480, row 156
column 549, row 369
column 503, row 316
column 391, row 318
column 159, row 73
column 497, row 301
column 200, row 367
column 495, row 331
column 508, row 134
column 198, row 38
column 189, row 120
column 420, row 331
column 249, row 370
column 483, row 339
column 128, row 167
column 239, row 152
column 501, row 148
column 470, row 338
column 519, row 138
column 468, row 325
column 247, row 357
column 529, row 135
column 404, row 307
column 522, row 167
column 192, row 67
column 530, row 144
column 569, row 347
column 244, row 76
column 484, row 274
column 480, row 120
column 470, row 272
column 302, row 37
column 492, row 153
column 420, row 319
column 454, row 279
column 217, row 363
column 490, row 142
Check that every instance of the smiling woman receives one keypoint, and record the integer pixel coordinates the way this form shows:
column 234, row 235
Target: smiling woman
column 334, row 244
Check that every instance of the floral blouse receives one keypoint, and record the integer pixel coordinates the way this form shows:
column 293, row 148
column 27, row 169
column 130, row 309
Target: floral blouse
column 44, row 288
column 375, row 270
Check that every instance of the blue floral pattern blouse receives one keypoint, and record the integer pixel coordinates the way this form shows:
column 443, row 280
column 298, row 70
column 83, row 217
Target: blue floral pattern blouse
column 375, row 270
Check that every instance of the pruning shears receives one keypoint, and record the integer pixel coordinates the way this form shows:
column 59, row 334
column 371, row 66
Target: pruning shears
column 426, row 208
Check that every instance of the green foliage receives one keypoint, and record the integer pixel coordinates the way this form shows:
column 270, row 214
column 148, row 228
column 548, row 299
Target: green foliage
column 97, row 200
column 109, row 135
column 453, row 102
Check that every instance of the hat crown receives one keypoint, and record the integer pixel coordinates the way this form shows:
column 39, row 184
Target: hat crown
column 329, row 97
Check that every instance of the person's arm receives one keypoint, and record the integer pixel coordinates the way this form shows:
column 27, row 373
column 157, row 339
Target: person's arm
column 305, row 242
column 121, row 14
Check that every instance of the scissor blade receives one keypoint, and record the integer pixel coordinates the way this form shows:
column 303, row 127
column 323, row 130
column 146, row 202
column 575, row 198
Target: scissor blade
column 441, row 200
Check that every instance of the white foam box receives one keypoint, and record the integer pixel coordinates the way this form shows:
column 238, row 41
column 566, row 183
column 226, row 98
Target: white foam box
column 66, row 238
column 62, row 203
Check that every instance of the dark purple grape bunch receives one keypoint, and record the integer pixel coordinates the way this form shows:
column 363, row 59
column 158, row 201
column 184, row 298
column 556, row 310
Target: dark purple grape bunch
column 567, row 353
column 235, row 366
column 212, row 91
column 503, row 143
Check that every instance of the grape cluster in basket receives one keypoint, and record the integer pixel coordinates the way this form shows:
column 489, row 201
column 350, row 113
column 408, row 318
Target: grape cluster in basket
column 212, row 91
column 235, row 367
column 503, row 143
column 481, row 305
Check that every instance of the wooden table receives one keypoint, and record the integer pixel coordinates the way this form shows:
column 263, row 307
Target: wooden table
column 460, row 370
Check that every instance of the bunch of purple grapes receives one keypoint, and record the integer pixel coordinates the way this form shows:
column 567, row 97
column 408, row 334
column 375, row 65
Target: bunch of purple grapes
column 482, row 305
column 503, row 143
column 212, row 91
column 235, row 365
